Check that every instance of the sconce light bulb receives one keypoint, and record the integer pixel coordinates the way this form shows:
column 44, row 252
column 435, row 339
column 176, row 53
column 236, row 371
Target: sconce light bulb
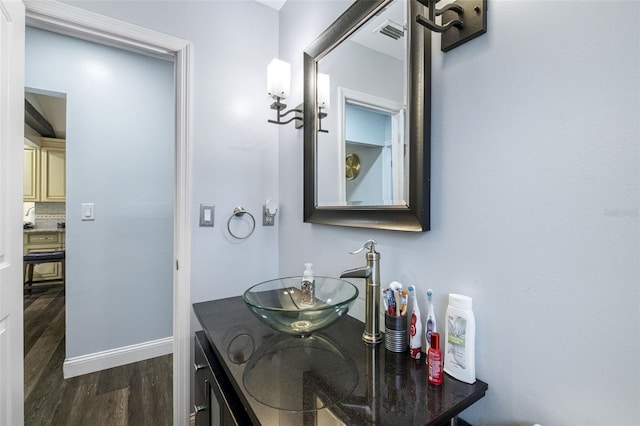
column 324, row 91
column 278, row 78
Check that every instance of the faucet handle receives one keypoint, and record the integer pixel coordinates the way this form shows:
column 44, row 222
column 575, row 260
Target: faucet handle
column 369, row 245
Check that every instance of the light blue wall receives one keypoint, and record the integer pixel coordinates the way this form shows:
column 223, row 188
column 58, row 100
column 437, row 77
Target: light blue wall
column 373, row 129
column 234, row 151
column 366, row 126
column 535, row 205
column 535, row 188
column 358, row 68
column 120, row 141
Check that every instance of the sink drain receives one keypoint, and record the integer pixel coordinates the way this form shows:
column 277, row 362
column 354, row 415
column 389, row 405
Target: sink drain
column 301, row 325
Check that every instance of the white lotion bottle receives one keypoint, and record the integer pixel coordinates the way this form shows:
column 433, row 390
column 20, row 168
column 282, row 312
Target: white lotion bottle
column 460, row 340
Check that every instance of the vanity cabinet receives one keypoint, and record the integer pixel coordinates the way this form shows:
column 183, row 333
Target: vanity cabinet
column 332, row 377
column 215, row 401
column 45, row 172
column 46, row 241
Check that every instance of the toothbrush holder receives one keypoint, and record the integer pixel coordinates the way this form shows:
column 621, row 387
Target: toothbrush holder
column 395, row 333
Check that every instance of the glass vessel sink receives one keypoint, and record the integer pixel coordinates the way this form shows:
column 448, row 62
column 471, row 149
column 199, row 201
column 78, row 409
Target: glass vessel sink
column 282, row 305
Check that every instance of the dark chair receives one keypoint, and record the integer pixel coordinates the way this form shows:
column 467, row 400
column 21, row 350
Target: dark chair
column 36, row 258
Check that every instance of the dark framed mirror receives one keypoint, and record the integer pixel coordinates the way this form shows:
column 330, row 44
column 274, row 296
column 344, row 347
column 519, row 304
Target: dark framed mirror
column 367, row 119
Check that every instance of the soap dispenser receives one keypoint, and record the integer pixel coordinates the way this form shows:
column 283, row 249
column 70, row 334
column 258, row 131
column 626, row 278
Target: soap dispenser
column 307, row 286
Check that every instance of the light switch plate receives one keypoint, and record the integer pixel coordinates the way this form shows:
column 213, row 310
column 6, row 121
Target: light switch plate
column 207, row 213
column 88, row 212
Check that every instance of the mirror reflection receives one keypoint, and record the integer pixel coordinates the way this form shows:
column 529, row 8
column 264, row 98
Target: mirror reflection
column 367, row 123
column 362, row 155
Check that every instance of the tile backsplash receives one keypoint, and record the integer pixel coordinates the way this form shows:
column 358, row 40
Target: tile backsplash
column 47, row 215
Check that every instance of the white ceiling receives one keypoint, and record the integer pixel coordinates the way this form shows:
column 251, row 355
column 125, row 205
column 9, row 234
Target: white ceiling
column 53, row 108
column 275, row 4
column 369, row 37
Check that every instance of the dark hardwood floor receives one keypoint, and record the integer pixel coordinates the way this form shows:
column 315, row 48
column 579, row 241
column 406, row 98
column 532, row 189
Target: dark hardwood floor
column 136, row 394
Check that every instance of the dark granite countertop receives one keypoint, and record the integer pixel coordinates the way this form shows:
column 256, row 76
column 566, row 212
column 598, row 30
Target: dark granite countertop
column 285, row 380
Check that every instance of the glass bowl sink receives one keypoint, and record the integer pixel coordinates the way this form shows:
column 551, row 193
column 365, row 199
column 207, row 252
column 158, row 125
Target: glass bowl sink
column 281, row 305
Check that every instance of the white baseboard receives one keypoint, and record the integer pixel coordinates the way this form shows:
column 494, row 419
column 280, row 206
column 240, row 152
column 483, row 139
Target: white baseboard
column 99, row 361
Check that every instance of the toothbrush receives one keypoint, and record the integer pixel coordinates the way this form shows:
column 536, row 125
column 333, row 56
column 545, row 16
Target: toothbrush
column 385, row 299
column 392, row 302
column 403, row 311
column 396, row 294
column 415, row 329
column 395, row 285
column 430, row 326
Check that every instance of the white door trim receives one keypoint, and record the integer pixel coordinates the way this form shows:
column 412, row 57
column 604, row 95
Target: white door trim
column 80, row 23
column 11, row 134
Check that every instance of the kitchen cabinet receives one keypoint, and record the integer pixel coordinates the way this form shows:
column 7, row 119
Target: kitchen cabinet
column 52, row 170
column 45, row 171
column 31, row 182
column 45, row 241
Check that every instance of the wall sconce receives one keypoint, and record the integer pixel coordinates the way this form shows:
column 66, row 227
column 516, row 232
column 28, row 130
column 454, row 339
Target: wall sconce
column 463, row 20
column 324, row 98
column 278, row 84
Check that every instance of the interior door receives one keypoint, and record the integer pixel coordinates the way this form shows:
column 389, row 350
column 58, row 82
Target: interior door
column 12, row 16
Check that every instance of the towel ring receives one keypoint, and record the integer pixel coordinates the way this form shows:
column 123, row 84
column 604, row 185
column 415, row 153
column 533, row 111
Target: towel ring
column 239, row 212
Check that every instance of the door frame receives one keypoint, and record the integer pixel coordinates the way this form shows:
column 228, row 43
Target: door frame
column 11, row 174
column 385, row 106
column 86, row 25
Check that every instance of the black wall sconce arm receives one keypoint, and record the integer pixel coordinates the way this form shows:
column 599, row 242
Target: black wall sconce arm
column 321, row 115
column 462, row 20
column 279, row 107
column 438, row 28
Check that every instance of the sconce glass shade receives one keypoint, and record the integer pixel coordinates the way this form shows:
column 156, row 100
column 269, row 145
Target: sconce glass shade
column 278, row 78
column 324, row 91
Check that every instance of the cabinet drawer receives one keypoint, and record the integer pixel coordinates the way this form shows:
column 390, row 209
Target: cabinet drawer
column 201, row 368
column 216, row 400
column 41, row 238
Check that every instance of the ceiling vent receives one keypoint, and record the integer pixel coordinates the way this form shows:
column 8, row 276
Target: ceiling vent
column 391, row 29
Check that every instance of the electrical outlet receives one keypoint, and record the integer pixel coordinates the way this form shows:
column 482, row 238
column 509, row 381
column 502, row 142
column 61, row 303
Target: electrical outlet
column 267, row 219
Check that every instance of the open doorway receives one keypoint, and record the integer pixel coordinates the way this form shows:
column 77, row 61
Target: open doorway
column 44, row 192
column 118, row 210
column 373, row 145
column 89, row 26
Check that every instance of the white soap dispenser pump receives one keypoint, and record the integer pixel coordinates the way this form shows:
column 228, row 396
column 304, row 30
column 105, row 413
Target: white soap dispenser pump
column 307, row 287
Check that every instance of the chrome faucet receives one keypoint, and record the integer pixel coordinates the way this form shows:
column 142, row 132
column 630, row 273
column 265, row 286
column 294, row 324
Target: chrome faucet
column 371, row 273
column 29, row 210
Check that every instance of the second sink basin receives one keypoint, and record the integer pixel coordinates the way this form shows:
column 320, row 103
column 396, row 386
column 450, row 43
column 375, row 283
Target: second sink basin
column 279, row 304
